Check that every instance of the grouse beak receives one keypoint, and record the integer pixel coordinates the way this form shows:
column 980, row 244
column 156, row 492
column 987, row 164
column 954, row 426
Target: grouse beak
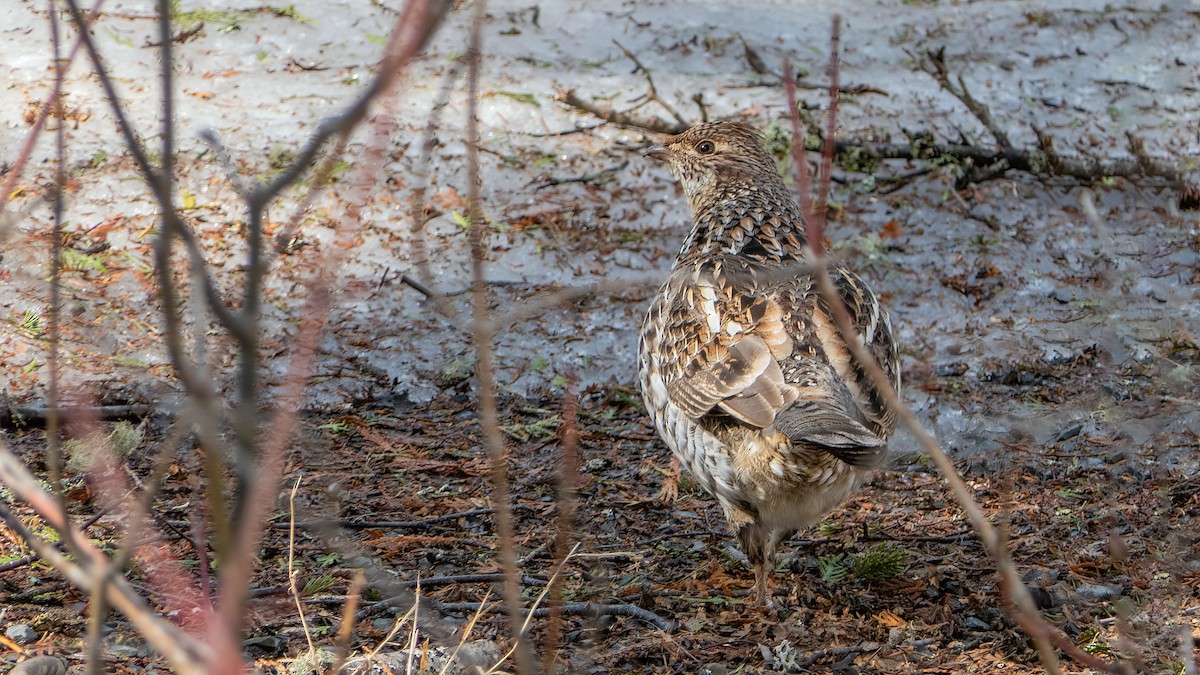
column 658, row 151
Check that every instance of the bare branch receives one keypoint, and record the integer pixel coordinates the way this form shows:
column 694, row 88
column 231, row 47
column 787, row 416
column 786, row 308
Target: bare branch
column 1021, row 607
column 933, row 62
column 484, row 369
column 594, row 609
column 568, row 485
column 803, row 179
column 623, row 119
column 420, row 205
column 652, row 94
column 184, row 652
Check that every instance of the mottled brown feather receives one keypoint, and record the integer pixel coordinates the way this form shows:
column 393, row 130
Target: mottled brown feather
column 742, row 368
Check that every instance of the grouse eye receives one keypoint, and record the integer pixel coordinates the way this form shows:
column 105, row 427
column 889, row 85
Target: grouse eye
column 706, row 147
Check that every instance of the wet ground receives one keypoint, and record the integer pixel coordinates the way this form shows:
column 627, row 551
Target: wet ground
column 1049, row 329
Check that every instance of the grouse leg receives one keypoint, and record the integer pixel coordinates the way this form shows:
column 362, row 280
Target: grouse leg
column 760, row 551
column 669, row 491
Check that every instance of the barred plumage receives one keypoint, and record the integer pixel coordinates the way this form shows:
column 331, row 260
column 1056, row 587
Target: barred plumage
column 743, row 370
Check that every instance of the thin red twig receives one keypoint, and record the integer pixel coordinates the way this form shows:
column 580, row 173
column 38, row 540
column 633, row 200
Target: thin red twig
column 803, row 179
column 822, row 206
column 485, row 376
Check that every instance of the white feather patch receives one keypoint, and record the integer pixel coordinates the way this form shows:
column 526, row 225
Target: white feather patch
column 708, row 307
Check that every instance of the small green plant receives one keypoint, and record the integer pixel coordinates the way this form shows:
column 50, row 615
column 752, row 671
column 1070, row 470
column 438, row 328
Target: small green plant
column 521, row 97
column 778, row 141
column 317, row 585
column 328, row 559
column 32, row 322
column 77, row 261
column 227, row 20
column 80, row 452
column 829, row 529
column 832, row 568
column 125, row 438
column 123, row 40
column 455, row 372
column 687, row 485
column 128, row 362
column 543, row 428
column 872, row 247
column 881, row 562
column 335, row 427
column 290, row 12
column 1091, row 641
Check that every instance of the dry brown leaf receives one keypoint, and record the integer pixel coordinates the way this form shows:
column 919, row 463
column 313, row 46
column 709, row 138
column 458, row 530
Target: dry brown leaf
column 890, row 620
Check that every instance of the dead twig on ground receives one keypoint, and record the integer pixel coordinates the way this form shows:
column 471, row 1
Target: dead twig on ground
column 821, row 654
column 978, row 163
column 617, row 117
column 598, row 176
column 1044, row 160
column 352, row 524
column 933, row 62
column 651, row 95
column 626, row 118
column 41, row 414
column 592, row 609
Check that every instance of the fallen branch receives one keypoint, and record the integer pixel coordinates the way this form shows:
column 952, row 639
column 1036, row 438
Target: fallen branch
column 622, row 119
column 979, row 163
column 1044, row 160
column 602, row 174
column 41, row 414
column 351, row 524
column 593, row 609
column 933, row 62
column 836, row 651
column 652, row 94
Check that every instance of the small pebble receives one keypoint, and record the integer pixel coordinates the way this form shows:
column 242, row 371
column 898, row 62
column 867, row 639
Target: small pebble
column 40, row 665
column 951, row 369
column 1097, row 592
column 1070, row 432
column 597, row 464
column 974, row 623
column 482, row 653
column 21, row 633
column 270, row 643
column 125, row 651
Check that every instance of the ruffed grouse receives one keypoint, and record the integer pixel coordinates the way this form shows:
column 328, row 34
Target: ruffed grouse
column 742, row 366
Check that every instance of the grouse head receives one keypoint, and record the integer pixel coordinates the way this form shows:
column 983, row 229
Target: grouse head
column 717, row 160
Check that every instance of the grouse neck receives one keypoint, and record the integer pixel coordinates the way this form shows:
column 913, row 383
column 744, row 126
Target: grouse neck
column 762, row 222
